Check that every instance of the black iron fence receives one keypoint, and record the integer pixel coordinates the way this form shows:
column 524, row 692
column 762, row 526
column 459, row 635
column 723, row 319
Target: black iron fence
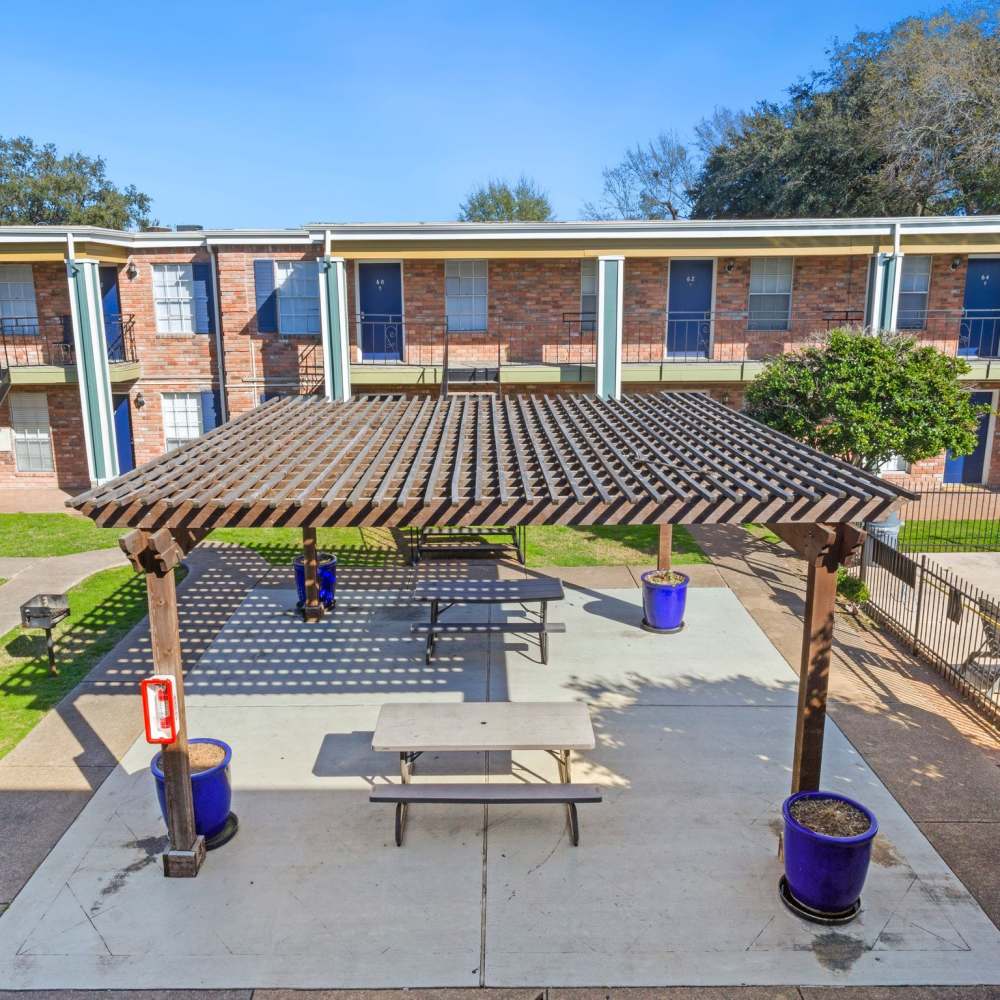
column 945, row 620
column 950, row 518
column 32, row 342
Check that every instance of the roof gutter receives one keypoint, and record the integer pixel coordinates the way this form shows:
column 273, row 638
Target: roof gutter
column 217, row 317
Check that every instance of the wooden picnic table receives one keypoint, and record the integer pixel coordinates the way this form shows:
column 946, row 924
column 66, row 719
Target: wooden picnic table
column 444, row 594
column 554, row 727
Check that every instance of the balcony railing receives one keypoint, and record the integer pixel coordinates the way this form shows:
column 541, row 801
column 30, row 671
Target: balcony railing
column 29, row 342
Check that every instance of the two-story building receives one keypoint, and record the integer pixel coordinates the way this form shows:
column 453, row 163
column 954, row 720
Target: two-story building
column 115, row 346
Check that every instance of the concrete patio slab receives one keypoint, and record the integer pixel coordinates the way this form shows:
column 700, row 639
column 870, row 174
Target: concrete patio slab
column 674, row 881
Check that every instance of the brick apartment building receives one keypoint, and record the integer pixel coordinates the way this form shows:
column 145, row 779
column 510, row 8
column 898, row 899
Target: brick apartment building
column 119, row 345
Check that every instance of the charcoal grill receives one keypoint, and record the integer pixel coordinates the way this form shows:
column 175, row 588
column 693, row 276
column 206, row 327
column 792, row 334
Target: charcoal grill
column 45, row 611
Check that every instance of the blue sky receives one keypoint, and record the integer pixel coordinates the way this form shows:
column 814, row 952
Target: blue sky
column 276, row 114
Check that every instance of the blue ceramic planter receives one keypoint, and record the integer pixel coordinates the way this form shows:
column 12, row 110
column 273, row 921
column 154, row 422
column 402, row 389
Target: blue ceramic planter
column 326, row 572
column 663, row 603
column 826, row 873
column 212, row 791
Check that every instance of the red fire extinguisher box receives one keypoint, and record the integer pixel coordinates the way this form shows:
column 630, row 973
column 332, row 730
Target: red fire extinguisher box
column 159, row 708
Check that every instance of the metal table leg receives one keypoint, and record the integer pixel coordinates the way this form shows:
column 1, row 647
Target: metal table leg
column 545, row 635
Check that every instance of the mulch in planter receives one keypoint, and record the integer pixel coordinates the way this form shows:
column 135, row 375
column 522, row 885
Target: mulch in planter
column 830, row 817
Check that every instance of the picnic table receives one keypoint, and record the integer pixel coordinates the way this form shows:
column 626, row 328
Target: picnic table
column 458, row 542
column 414, row 729
column 444, row 594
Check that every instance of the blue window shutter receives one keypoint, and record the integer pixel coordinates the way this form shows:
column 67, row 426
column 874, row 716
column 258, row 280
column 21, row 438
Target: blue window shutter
column 267, row 296
column 204, row 314
column 209, row 412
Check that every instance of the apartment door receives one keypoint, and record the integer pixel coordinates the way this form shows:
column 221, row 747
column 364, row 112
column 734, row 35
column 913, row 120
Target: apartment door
column 380, row 308
column 980, row 335
column 689, row 308
column 110, row 304
column 970, row 468
column 123, row 434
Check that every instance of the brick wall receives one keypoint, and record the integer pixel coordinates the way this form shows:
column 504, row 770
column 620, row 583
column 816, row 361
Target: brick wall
column 69, row 453
column 644, row 309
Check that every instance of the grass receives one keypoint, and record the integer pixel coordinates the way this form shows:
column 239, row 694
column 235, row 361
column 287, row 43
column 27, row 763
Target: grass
column 36, row 535
column 763, row 532
column 556, row 545
column 102, row 609
column 950, row 536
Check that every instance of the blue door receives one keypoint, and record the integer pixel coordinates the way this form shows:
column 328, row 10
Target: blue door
column 969, row 468
column 980, row 334
column 110, row 304
column 380, row 305
column 689, row 315
column 123, row 435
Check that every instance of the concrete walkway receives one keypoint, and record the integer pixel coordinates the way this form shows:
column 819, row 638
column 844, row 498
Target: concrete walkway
column 48, row 575
column 932, row 751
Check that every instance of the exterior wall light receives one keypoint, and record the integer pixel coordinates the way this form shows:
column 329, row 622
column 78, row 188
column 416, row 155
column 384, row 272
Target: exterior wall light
column 730, row 266
column 140, row 400
column 956, row 263
column 131, row 271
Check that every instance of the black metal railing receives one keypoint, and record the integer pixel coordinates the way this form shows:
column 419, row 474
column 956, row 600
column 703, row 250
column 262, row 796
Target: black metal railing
column 949, row 517
column 944, row 620
column 26, row 343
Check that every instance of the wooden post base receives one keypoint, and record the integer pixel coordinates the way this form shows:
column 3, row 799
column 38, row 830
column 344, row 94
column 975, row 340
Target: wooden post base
column 312, row 614
column 184, row 864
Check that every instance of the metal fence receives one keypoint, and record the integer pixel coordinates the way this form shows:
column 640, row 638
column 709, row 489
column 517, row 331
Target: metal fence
column 945, row 620
column 950, row 518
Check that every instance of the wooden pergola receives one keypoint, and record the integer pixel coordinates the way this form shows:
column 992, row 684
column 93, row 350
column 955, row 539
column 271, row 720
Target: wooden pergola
column 660, row 458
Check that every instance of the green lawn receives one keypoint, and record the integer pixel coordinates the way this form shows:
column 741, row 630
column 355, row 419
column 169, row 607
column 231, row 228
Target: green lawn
column 102, row 609
column 950, row 536
column 53, row 535
column 598, row 545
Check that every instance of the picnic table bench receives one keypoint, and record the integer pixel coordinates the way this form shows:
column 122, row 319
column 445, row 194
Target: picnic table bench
column 444, row 594
column 457, row 542
column 413, row 729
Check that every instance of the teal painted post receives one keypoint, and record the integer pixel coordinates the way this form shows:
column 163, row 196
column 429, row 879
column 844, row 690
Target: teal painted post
column 334, row 328
column 610, row 282
column 92, row 371
column 882, row 305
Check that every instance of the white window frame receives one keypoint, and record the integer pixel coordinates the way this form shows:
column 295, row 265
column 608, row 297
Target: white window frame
column 280, row 297
column 926, row 293
column 177, row 440
column 894, row 464
column 18, row 302
column 163, row 304
column 588, row 317
column 32, row 442
column 770, row 324
column 465, row 296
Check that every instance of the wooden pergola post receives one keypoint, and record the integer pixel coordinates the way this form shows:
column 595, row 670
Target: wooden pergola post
column 157, row 555
column 664, row 550
column 312, row 610
column 825, row 548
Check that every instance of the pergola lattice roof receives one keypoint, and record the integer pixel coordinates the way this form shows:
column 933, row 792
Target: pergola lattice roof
column 665, row 457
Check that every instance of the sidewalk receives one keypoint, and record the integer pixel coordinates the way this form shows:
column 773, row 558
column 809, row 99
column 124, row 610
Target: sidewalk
column 47, row 575
column 930, row 749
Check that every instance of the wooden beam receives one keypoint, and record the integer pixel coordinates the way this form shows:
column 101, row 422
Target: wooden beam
column 187, row 848
column 810, row 541
column 312, row 610
column 664, row 551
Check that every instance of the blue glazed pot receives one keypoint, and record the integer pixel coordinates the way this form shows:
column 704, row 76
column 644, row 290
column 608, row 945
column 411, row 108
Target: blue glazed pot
column 826, row 873
column 663, row 603
column 326, row 573
column 212, row 791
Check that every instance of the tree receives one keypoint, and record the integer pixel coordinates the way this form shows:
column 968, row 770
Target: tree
column 901, row 122
column 651, row 182
column 866, row 398
column 498, row 201
column 40, row 187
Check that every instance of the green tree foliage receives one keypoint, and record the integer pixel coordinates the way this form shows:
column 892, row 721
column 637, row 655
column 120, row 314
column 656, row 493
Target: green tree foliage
column 499, row 201
column 866, row 398
column 40, row 187
column 902, row 122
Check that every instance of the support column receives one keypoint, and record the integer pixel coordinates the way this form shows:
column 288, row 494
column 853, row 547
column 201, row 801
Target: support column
column 312, row 610
column 882, row 304
column 334, row 328
column 92, row 370
column 664, row 551
column 610, row 285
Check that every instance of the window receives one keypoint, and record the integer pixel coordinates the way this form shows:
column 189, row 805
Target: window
column 173, row 295
column 29, row 418
column 297, row 285
column 770, row 293
column 914, row 285
column 181, row 418
column 465, row 294
column 894, row 463
column 18, row 313
column 588, row 296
